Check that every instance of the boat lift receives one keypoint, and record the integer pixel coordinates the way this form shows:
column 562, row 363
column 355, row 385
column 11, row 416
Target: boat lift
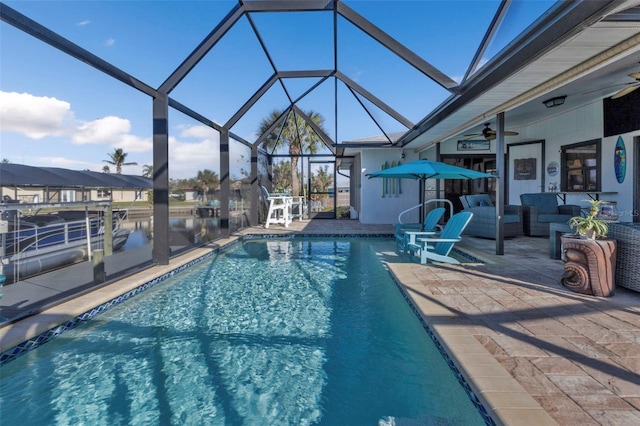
column 11, row 211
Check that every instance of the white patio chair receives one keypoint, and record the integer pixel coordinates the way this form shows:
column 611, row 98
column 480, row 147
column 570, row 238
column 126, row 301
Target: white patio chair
column 299, row 208
column 279, row 208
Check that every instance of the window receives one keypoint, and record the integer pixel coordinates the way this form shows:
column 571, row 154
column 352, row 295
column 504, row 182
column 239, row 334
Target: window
column 581, row 167
column 104, row 193
column 67, row 196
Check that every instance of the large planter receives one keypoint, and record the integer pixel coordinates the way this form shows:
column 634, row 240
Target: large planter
column 589, row 265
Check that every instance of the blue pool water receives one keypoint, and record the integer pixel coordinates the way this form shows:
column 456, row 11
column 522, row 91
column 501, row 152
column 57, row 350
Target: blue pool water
column 272, row 332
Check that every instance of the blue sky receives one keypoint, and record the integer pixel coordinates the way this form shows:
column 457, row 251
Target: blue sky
column 57, row 111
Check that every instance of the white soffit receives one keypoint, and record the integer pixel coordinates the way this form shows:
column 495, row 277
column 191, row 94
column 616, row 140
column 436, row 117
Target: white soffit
column 582, row 47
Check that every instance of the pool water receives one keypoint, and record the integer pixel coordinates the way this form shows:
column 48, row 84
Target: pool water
column 271, row 332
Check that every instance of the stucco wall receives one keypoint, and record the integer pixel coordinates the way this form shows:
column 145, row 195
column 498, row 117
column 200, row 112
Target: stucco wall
column 580, row 125
column 376, row 208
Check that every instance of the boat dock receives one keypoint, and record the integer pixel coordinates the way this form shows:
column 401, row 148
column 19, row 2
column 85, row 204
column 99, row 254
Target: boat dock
column 34, row 294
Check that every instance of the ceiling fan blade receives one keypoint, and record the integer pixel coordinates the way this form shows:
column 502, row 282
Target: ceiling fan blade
column 608, row 87
column 493, row 135
column 635, row 75
column 625, row 91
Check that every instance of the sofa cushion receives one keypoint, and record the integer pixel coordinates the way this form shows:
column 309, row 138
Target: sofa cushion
column 555, row 218
column 546, row 202
column 479, row 200
column 511, row 218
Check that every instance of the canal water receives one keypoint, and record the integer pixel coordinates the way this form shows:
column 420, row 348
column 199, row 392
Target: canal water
column 183, row 231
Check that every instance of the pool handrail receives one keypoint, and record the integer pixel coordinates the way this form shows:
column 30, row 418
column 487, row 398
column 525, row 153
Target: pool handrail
column 432, row 200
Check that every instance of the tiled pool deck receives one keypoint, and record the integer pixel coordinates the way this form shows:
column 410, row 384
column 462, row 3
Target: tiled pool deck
column 534, row 352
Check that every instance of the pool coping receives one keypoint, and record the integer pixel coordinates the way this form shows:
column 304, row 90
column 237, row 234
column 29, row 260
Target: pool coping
column 504, row 399
column 498, row 397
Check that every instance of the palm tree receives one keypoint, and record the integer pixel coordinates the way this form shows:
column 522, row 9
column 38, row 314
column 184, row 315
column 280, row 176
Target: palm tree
column 322, row 181
column 147, row 171
column 282, row 176
column 118, row 158
column 106, row 169
column 206, row 180
column 297, row 134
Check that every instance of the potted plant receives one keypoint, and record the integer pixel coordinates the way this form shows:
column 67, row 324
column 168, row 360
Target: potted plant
column 590, row 260
column 590, row 226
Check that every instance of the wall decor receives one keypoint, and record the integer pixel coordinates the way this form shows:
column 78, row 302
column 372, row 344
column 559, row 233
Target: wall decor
column 620, row 160
column 474, row 145
column 524, row 169
column 553, row 168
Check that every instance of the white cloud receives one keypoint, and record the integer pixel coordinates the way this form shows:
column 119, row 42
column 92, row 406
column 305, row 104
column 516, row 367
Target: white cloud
column 34, row 116
column 83, row 23
column 102, row 130
column 110, row 42
column 38, row 117
column 112, row 131
column 133, row 143
column 186, row 158
column 64, row 162
column 194, row 148
column 199, row 132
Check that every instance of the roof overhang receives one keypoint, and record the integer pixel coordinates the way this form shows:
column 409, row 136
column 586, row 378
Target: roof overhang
column 14, row 175
column 602, row 38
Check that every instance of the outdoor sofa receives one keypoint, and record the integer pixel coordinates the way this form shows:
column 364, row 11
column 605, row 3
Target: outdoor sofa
column 483, row 222
column 539, row 210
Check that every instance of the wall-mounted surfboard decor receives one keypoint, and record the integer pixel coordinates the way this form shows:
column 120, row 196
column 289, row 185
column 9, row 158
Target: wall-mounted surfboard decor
column 384, row 180
column 620, row 160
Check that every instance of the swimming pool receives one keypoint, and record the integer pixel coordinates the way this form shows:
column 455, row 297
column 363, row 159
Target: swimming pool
column 290, row 332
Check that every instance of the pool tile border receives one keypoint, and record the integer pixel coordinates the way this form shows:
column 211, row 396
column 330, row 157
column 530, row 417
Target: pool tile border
column 315, row 236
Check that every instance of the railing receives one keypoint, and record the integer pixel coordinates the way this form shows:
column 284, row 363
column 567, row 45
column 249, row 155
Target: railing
column 40, row 237
column 433, row 200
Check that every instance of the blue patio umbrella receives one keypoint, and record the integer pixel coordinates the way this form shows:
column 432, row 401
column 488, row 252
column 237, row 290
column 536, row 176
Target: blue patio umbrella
column 427, row 169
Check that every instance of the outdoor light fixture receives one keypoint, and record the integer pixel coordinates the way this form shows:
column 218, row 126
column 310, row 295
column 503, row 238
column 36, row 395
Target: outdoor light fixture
column 554, row 102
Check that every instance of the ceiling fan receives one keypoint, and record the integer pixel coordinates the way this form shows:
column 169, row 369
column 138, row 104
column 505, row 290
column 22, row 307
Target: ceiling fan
column 489, row 134
column 628, row 89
